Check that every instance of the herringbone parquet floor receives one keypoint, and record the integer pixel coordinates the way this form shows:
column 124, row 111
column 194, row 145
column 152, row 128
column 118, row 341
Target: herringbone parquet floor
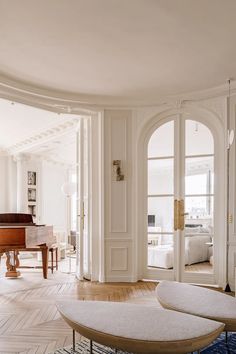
column 30, row 323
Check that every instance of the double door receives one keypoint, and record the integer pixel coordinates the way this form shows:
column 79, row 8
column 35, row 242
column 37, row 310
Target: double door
column 181, row 189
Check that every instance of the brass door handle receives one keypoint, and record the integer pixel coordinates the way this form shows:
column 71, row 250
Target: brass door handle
column 179, row 214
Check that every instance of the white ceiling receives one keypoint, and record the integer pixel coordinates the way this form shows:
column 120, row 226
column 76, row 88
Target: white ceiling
column 60, row 149
column 31, row 130
column 126, row 50
column 19, row 122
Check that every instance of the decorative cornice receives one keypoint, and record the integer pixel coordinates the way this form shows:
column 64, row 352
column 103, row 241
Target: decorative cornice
column 40, row 158
column 50, row 160
column 66, row 102
column 44, row 136
column 4, row 152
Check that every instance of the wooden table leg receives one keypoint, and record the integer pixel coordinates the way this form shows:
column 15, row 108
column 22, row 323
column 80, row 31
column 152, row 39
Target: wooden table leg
column 45, row 261
column 12, row 263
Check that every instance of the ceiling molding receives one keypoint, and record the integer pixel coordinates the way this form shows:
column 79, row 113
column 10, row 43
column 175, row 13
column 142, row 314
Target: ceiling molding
column 52, row 161
column 55, row 101
column 66, row 102
column 43, row 137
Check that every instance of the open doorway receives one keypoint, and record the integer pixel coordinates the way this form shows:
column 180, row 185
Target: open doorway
column 39, row 157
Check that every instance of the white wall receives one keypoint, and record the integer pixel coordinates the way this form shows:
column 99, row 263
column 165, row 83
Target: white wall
column 3, row 184
column 119, row 237
column 7, row 184
column 50, row 202
column 53, row 202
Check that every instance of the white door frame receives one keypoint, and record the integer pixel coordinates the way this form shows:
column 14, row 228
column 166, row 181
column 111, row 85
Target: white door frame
column 213, row 122
column 95, row 215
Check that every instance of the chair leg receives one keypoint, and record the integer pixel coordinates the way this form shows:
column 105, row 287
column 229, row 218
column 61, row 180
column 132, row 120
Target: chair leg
column 91, row 346
column 56, row 259
column 73, row 340
column 226, row 337
column 52, row 260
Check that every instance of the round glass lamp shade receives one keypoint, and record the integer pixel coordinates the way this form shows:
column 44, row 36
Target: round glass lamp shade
column 68, row 188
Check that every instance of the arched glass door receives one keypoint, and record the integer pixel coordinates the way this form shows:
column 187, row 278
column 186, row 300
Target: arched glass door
column 180, row 202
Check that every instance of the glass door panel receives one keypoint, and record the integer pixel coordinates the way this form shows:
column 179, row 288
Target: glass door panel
column 161, row 143
column 199, row 199
column 161, row 251
column 161, row 176
column 199, row 175
column 198, row 139
column 161, row 209
column 200, row 210
column 160, row 248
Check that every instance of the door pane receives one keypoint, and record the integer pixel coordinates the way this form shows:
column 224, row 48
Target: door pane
column 160, row 211
column 198, row 139
column 160, row 251
column 199, row 253
column 161, row 143
column 199, row 175
column 160, row 176
column 200, row 211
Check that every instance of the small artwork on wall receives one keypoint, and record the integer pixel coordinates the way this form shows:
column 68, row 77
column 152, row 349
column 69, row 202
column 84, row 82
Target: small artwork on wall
column 32, row 178
column 32, row 210
column 31, row 194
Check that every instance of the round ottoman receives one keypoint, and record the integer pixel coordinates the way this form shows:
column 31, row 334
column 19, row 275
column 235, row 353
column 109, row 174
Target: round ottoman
column 198, row 301
column 138, row 328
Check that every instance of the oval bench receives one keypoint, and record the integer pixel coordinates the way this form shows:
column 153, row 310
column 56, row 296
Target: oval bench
column 198, row 301
column 138, row 328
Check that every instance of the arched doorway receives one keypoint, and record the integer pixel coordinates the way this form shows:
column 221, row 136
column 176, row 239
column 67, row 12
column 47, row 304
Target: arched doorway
column 184, row 222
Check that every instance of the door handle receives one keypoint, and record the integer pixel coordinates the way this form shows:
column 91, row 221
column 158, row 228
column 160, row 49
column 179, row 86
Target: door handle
column 179, row 214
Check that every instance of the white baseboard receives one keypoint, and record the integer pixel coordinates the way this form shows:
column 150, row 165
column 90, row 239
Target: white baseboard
column 119, row 279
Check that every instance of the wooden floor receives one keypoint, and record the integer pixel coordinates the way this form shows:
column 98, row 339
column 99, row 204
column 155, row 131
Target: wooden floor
column 203, row 267
column 29, row 321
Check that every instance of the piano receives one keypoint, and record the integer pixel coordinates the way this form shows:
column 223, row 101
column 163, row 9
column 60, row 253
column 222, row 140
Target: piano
column 19, row 232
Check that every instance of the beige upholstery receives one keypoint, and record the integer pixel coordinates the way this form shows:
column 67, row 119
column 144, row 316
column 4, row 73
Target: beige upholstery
column 137, row 328
column 198, row 301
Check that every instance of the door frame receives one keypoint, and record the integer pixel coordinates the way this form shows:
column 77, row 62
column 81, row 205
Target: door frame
column 96, row 199
column 213, row 122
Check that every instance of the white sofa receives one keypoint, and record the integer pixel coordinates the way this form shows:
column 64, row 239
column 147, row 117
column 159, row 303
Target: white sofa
column 197, row 250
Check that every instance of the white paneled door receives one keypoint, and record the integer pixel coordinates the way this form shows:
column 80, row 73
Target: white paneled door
column 83, row 199
column 181, row 190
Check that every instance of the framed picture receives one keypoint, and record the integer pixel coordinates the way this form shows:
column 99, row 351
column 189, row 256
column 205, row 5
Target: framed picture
column 31, row 194
column 32, row 210
column 31, row 178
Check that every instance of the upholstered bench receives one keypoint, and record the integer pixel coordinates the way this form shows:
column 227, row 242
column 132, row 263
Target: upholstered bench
column 198, row 301
column 137, row 328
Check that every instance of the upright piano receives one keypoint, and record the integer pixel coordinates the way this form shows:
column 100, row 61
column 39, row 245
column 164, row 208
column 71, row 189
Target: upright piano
column 19, row 232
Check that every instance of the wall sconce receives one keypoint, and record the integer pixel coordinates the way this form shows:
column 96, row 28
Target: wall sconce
column 119, row 176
